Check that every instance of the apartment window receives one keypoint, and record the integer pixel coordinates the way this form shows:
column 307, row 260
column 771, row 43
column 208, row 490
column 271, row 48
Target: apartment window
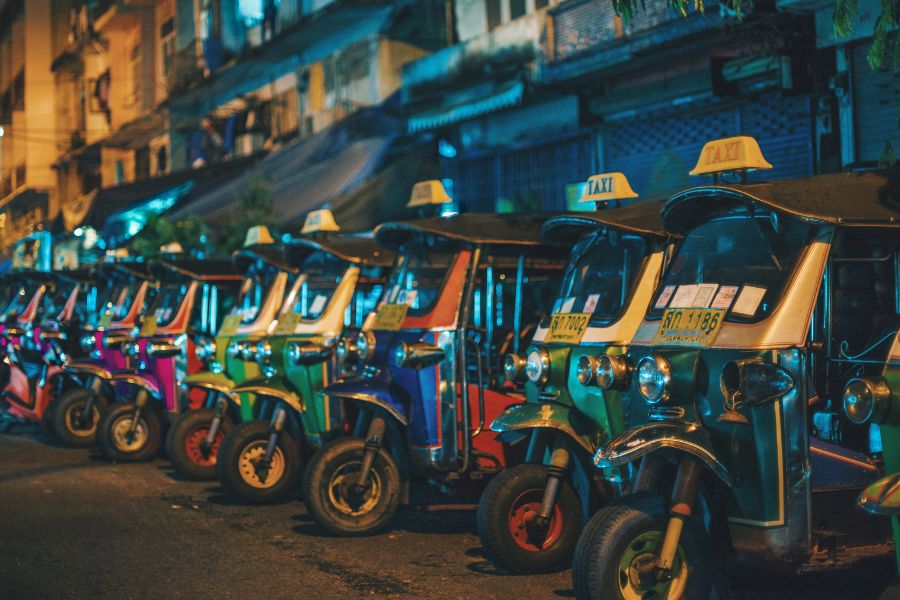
column 18, row 91
column 493, row 13
column 516, row 8
column 137, row 66
column 539, row 4
column 167, row 47
column 20, row 175
column 120, row 172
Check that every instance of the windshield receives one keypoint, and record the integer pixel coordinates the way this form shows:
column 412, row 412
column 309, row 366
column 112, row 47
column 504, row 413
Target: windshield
column 167, row 301
column 738, row 263
column 323, row 273
column 18, row 302
column 417, row 277
column 600, row 275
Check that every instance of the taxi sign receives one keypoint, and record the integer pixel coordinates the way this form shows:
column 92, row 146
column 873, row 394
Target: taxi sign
column 694, row 327
column 389, row 317
column 258, row 235
column 320, row 220
column 730, row 154
column 607, row 186
column 428, row 192
column 567, row 328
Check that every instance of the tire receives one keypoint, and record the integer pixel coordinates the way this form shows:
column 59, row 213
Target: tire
column 598, row 569
column 114, row 425
column 505, row 522
column 336, row 508
column 183, row 441
column 65, row 411
column 235, row 464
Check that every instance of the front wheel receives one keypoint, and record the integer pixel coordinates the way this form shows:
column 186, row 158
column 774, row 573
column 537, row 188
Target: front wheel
column 616, row 558
column 337, row 502
column 241, row 469
column 69, row 421
column 118, row 442
column 509, row 527
column 187, row 444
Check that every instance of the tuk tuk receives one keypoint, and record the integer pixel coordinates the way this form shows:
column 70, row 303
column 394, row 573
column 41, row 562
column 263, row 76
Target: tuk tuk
column 531, row 514
column 780, row 300
column 193, row 295
column 343, row 276
column 76, row 407
column 195, row 436
column 464, row 291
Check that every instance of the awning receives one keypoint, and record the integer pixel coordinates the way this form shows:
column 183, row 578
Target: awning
column 307, row 173
column 136, row 134
column 468, row 104
column 309, row 43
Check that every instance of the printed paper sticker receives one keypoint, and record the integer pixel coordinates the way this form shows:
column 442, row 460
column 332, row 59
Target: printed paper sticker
column 704, row 295
column 567, row 305
column 556, row 306
column 684, row 297
column 287, row 323
column 748, row 300
column 410, row 297
column 318, row 304
column 591, row 303
column 665, row 296
column 725, row 297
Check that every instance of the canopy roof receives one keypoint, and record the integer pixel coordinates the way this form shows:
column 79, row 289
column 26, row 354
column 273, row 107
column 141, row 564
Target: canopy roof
column 472, row 228
column 355, row 249
column 845, row 199
column 207, row 270
column 642, row 218
column 132, row 268
column 269, row 253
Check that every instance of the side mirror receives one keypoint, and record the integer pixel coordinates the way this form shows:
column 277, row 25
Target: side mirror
column 751, row 382
column 882, row 497
column 47, row 336
column 114, row 341
column 163, row 349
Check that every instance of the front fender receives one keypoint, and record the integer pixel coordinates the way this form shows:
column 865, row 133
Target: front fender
column 548, row 416
column 384, row 395
column 637, row 442
column 207, row 380
column 139, row 379
column 89, row 368
column 276, row 387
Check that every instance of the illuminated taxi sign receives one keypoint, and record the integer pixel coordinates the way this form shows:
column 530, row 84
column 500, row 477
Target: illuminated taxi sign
column 172, row 248
column 258, row 235
column 428, row 192
column 606, row 187
column 319, row 220
column 730, row 154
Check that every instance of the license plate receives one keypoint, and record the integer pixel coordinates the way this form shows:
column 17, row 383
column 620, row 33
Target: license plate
column 389, row 317
column 567, row 328
column 229, row 326
column 287, row 323
column 689, row 326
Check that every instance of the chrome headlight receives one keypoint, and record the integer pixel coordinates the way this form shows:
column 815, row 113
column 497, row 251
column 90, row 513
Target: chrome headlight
column 235, row 349
column 400, row 354
column 131, row 349
column 612, row 372
column 365, row 345
column 307, row 353
column 206, row 349
column 513, row 368
column 344, row 350
column 263, row 351
column 537, row 366
column 654, row 379
column 867, row 400
column 585, row 371
column 247, row 351
column 88, row 341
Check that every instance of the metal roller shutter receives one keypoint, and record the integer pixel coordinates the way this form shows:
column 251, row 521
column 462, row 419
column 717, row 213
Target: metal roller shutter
column 875, row 107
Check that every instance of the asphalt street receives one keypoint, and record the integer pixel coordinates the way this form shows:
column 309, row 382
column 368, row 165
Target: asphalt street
column 76, row 526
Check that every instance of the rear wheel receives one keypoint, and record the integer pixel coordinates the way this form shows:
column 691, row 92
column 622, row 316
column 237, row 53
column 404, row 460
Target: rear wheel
column 507, row 521
column 186, row 443
column 336, row 501
column 240, row 468
column 118, row 442
column 616, row 556
column 69, row 423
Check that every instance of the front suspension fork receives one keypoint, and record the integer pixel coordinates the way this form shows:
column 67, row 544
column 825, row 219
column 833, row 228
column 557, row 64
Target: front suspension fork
column 559, row 463
column 214, row 425
column 140, row 403
column 374, row 437
column 680, row 509
column 276, row 427
column 87, row 415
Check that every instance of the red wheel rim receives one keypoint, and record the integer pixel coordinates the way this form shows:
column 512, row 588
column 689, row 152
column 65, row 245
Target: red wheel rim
column 523, row 528
column 192, row 447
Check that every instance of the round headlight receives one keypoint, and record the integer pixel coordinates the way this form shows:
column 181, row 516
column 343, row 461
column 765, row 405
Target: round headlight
column 234, row 349
column 400, row 354
column 866, row 400
column 513, row 367
column 365, row 345
column 88, row 341
column 585, row 370
column 294, row 353
column 206, row 349
column 247, row 350
column 537, row 366
column 612, row 372
column 654, row 379
column 263, row 350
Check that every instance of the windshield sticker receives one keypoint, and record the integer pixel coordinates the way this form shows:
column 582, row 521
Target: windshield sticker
column 287, row 323
column 591, row 303
column 105, row 320
column 567, row 305
column 229, row 325
column 318, row 304
column 704, row 295
column 409, row 297
column 567, row 328
column 725, row 297
column 695, row 327
column 665, row 296
column 389, row 317
column 748, row 300
column 148, row 326
column 684, row 297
